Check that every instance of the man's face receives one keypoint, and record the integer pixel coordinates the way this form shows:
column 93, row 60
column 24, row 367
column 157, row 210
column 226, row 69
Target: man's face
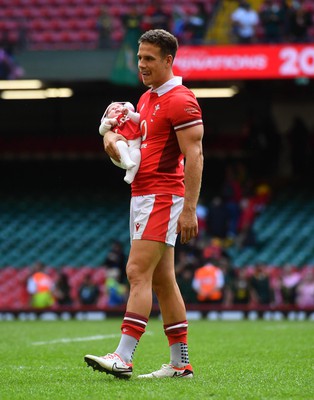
column 154, row 69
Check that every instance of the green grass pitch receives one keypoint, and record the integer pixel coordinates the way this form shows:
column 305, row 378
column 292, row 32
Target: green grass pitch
column 234, row 360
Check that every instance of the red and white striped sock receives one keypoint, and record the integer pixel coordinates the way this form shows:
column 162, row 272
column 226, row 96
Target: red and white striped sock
column 133, row 326
column 177, row 339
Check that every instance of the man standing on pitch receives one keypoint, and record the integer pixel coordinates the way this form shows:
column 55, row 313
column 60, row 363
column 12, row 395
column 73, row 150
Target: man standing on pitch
column 165, row 193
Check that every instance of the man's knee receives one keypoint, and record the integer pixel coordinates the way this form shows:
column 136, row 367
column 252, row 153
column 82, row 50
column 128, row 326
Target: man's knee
column 137, row 275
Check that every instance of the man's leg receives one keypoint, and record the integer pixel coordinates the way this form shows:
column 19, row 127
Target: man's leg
column 143, row 258
column 174, row 317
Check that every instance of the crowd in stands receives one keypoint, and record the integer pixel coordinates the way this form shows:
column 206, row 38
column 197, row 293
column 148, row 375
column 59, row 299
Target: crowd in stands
column 276, row 21
column 44, row 287
column 204, row 277
column 61, row 24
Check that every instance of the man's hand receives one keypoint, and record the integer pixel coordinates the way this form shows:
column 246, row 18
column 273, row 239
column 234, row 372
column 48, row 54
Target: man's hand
column 187, row 225
column 110, row 140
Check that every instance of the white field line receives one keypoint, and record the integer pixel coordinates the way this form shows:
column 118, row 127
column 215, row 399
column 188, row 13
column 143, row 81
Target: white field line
column 80, row 339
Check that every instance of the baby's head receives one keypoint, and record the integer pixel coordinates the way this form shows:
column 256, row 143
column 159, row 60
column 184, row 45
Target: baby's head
column 114, row 109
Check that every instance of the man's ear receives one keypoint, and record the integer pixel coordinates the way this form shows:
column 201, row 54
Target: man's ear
column 169, row 60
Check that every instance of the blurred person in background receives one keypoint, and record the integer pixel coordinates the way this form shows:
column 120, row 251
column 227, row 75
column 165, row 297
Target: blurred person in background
column 116, row 260
column 208, row 282
column 273, row 20
column 179, row 20
column 217, row 219
column 116, row 292
column 132, row 23
column 89, row 292
column 196, row 24
column 289, row 281
column 104, row 27
column 62, row 290
column 40, row 287
column 300, row 20
column 201, row 212
column 155, row 18
column 246, row 235
column 260, row 287
column 244, row 22
column 185, row 281
column 239, row 288
column 305, row 289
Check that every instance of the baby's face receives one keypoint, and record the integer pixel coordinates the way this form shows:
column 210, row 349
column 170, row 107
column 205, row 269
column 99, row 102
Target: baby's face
column 114, row 110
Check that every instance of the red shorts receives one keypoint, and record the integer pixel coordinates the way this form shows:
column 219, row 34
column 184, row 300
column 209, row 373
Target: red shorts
column 154, row 217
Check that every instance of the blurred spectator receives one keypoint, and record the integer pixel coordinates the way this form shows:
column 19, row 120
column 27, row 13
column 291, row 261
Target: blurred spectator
column 272, row 17
column 202, row 212
column 197, row 24
column 185, row 280
column 125, row 70
column 62, row 290
column 116, row 260
column 217, row 218
column 208, row 283
column 40, row 287
column 189, row 253
column 260, row 288
column 214, row 249
column 179, row 22
column 246, row 235
column 300, row 20
column 115, row 291
column 244, row 22
column 262, row 197
column 155, row 18
column 288, row 284
column 9, row 68
column 104, row 27
column 305, row 289
column 232, row 193
column 250, row 207
column 239, row 288
column 132, row 22
column 89, row 292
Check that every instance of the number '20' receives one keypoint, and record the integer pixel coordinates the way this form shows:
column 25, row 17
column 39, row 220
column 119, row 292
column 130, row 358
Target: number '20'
column 296, row 62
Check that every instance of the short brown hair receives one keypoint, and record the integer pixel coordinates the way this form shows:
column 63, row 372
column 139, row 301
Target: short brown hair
column 167, row 43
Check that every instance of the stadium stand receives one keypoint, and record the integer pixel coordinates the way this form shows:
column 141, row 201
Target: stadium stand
column 284, row 232
column 60, row 229
column 73, row 233
column 69, row 24
column 72, row 25
column 76, row 230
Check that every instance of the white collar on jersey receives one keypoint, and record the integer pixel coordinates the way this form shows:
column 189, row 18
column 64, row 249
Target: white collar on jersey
column 173, row 82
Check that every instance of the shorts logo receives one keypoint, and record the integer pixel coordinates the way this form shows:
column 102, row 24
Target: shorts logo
column 137, row 227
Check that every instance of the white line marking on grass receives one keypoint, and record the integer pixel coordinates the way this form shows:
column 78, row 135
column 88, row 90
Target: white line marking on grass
column 80, row 339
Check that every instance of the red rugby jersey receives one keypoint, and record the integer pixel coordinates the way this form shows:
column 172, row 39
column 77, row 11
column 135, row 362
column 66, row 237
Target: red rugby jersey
column 163, row 111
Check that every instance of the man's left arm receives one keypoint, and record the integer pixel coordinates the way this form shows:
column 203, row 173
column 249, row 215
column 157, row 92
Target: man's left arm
column 190, row 142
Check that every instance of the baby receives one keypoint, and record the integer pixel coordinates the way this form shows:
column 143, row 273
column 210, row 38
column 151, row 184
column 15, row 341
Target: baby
column 120, row 117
